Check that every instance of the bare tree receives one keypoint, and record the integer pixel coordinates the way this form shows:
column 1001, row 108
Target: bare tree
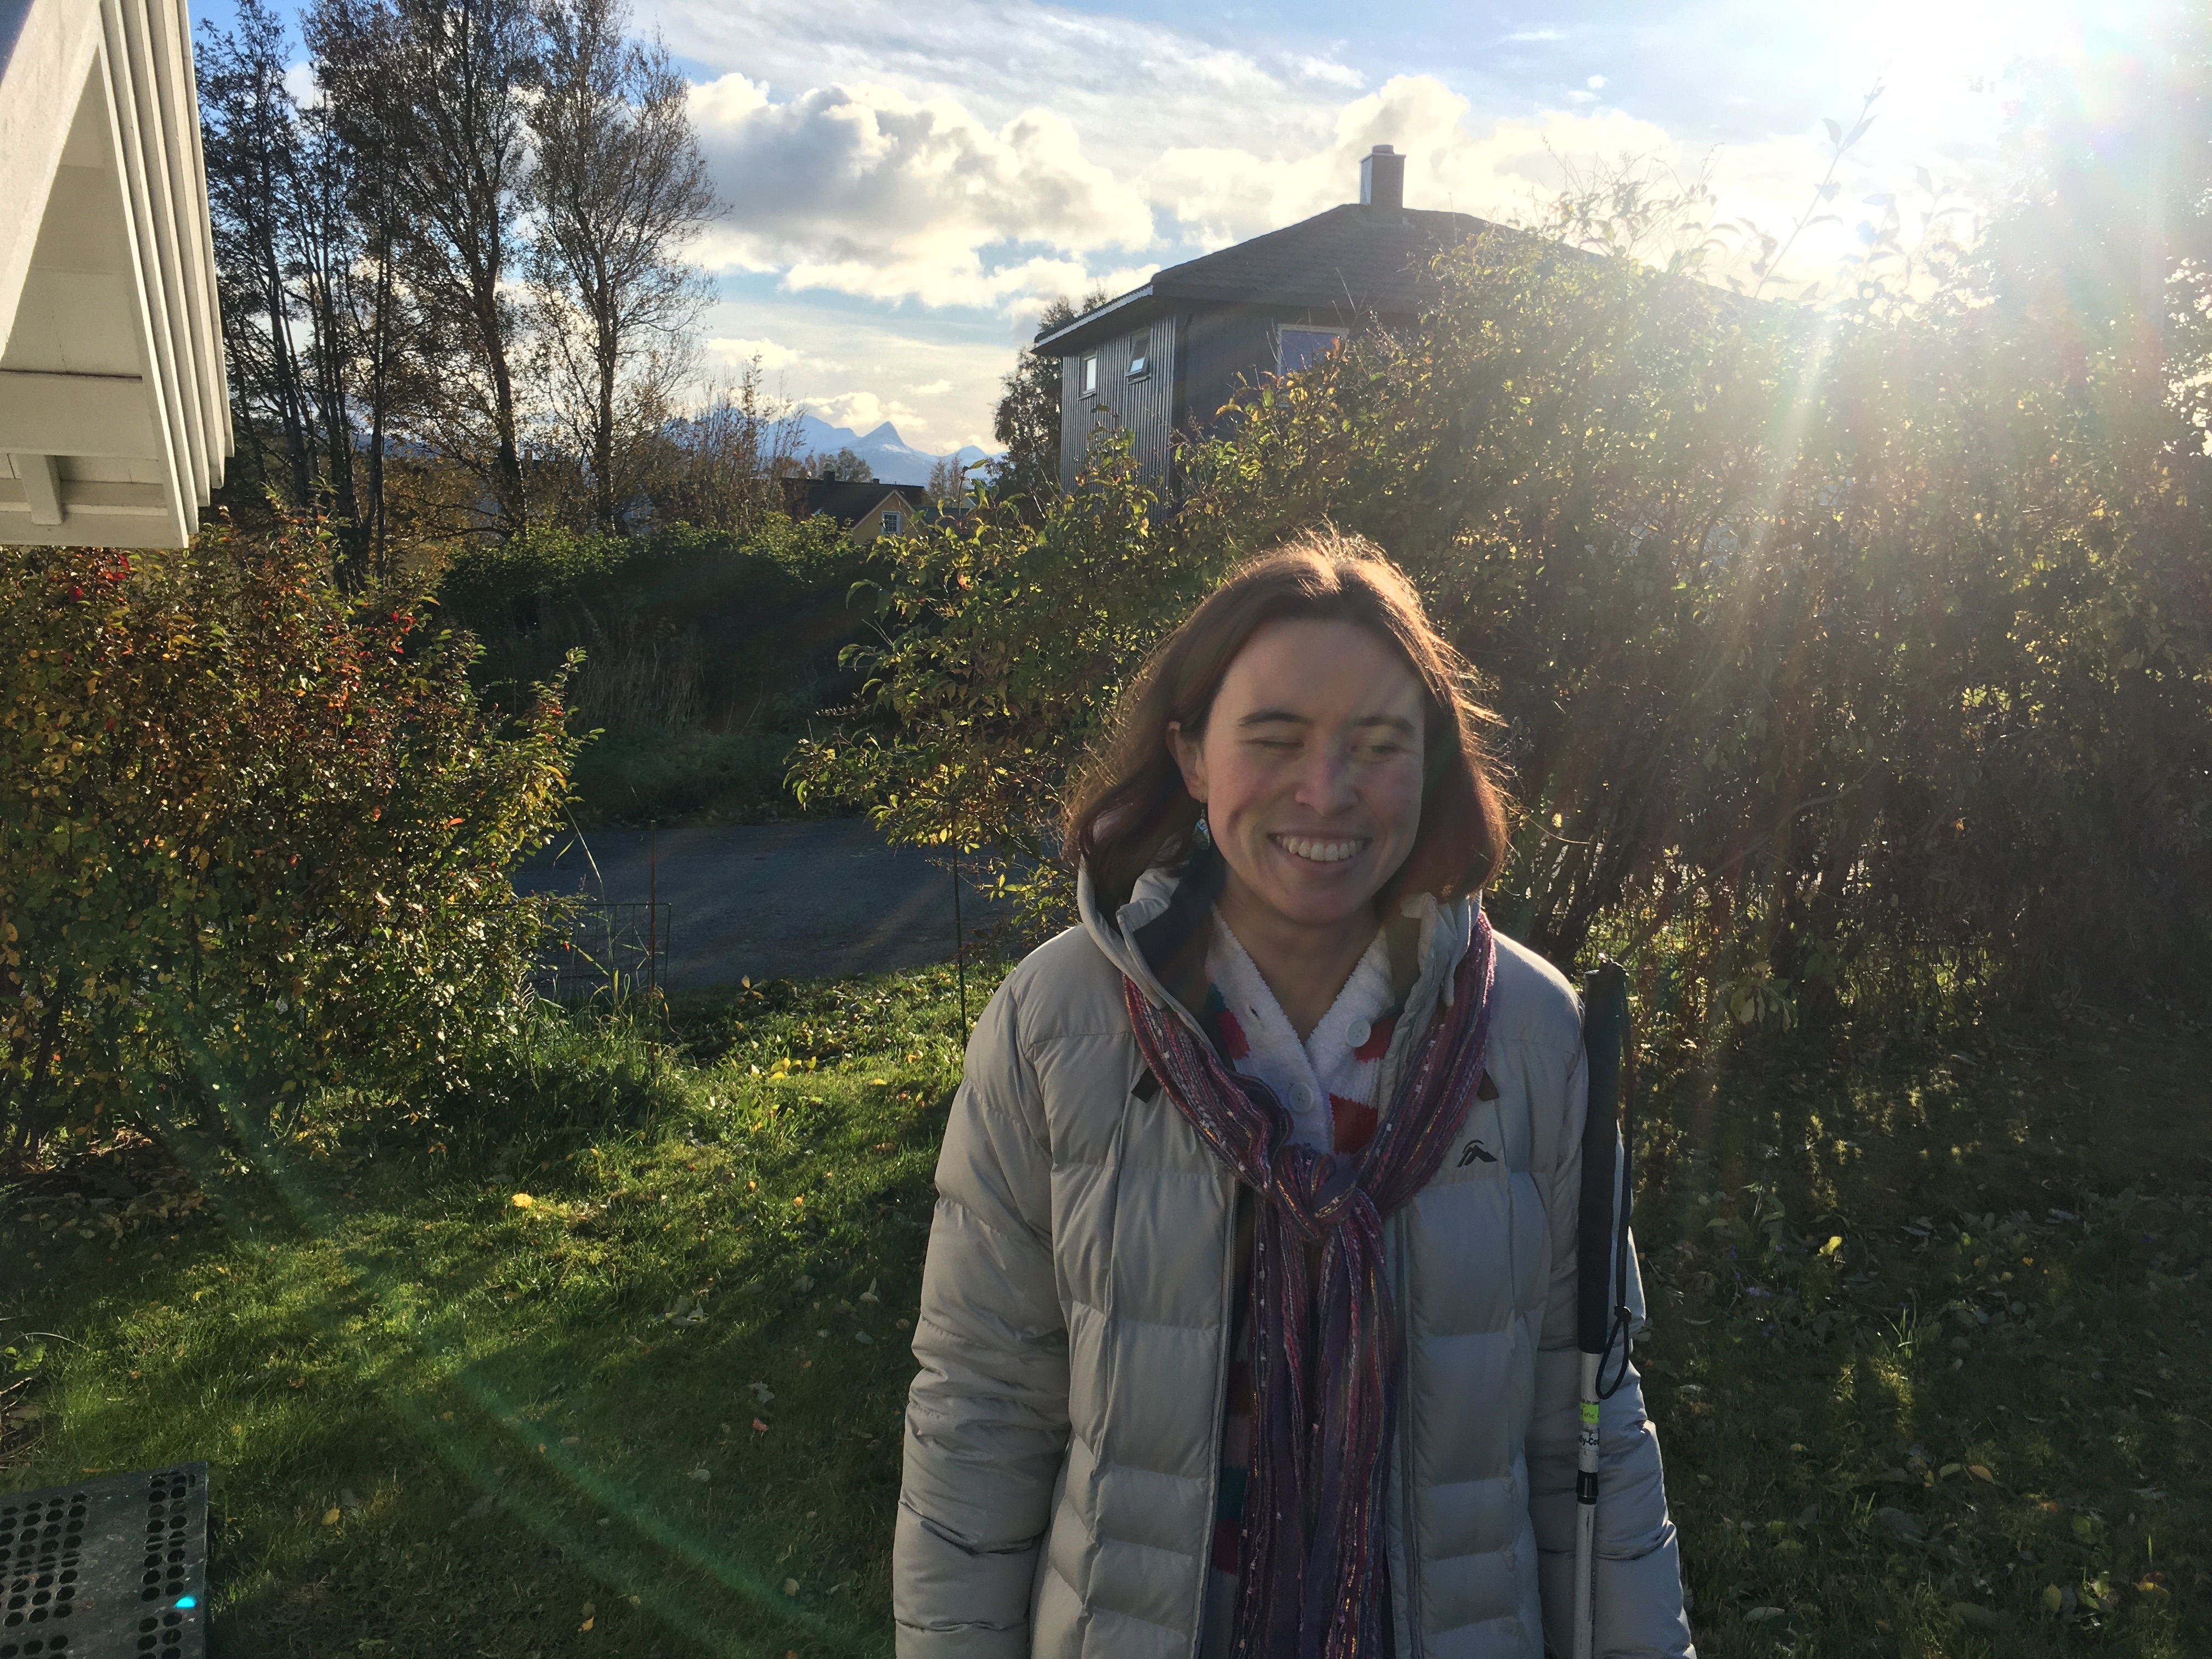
column 846, row 466
column 948, row 479
column 325, row 246
column 362, row 138
column 252, row 146
column 717, row 466
column 437, row 88
column 619, row 187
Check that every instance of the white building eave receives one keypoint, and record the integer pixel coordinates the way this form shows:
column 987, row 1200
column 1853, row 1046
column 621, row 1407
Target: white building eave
column 114, row 407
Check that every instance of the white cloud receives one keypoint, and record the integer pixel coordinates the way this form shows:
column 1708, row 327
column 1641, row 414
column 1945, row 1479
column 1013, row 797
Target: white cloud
column 1496, row 169
column 863, row 411
column 300, row 81
column 774, row 357
column 946, row 170
column 1128, row 86
column 866, row 190
column 849, row 369
column 1328, row 72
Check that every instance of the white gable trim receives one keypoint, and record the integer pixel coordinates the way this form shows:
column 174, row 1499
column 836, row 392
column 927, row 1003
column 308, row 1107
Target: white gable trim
column 114, row 402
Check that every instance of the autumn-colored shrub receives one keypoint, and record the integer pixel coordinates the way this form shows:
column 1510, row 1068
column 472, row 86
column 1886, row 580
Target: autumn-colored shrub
column 254, row 841
column 1883, row 626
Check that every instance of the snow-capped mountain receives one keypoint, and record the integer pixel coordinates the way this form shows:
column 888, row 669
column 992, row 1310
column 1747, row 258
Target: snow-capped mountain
column 889, row 456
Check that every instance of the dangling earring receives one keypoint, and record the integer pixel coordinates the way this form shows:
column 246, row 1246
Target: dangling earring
column 1202, row 832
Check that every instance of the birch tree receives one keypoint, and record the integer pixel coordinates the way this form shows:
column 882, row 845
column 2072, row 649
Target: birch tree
column 620, row 187
column 438, row 86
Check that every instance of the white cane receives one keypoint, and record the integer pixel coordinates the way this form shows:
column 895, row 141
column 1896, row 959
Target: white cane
column 1601, row 1279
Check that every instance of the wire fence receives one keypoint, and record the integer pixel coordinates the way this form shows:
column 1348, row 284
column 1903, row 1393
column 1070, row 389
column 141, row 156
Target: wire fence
column 619, row 950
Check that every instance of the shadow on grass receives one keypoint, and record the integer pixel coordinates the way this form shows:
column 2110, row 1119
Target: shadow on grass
column 1925, row 1337
column 655, row 1408
column 1921, row 1336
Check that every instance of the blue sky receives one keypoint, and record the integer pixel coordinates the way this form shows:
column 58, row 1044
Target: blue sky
column 909, row 183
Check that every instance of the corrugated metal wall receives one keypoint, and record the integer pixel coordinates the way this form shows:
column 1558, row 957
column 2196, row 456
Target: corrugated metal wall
column 1144, row 406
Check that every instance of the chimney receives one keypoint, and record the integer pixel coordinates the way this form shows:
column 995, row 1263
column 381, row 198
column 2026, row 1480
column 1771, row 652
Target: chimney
column 1382, row 178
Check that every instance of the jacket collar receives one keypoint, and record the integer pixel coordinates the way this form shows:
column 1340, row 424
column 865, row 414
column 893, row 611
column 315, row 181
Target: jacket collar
column 1166, row 914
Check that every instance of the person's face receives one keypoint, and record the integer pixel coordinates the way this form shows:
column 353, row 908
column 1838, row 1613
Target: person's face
column 1310, row 770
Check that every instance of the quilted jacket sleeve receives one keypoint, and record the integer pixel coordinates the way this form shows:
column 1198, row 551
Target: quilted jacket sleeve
column 1639, row 1582
column 987, row 1419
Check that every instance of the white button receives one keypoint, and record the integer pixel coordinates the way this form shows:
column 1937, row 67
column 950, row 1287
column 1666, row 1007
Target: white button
column 1358, row 1032
column 1305, row 1094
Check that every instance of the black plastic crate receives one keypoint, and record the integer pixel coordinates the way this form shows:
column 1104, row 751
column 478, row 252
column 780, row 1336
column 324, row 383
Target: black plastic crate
column 114, row 1568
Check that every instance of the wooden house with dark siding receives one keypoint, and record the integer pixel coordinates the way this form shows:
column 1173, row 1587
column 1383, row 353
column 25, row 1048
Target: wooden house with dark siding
column 1168, row 355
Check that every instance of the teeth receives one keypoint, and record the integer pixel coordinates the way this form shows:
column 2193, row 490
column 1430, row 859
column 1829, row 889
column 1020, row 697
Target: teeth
column 1318, row 852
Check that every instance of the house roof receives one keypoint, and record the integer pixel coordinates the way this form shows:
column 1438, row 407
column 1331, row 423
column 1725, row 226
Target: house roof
column 1355, row 259
column 847, row 502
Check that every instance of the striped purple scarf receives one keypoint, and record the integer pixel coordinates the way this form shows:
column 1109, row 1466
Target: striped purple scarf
column 1312, row 1542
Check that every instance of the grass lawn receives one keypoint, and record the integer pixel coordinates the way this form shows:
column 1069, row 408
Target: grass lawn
column 1928, row 1361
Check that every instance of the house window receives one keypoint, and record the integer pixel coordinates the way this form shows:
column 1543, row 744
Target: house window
column 1139, row 365
column 1298, row 346
column 891, row 525
column 1090, row 375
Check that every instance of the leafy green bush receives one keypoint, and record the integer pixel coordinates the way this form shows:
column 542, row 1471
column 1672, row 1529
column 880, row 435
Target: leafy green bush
column 254, row 841
column 704, row 653
column 1007, row 634
column 1813, row 630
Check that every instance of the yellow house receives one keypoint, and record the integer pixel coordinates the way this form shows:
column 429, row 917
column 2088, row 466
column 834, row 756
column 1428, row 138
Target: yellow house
column 114, row 403
column 866, row 510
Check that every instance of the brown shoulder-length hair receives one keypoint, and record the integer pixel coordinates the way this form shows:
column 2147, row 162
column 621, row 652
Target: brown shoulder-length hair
column 1129, row 809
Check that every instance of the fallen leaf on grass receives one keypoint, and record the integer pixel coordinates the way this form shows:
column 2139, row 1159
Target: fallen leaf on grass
column 1980, row 1618
column 522, row 1200
column 1981, row 1472
column 759, row 1427
column 760, row 1392
column 868, row 1295
column 1901, row 1524
column 862, row 1336
column 701, row 1474
column 791, row 1587
column 330, row 1517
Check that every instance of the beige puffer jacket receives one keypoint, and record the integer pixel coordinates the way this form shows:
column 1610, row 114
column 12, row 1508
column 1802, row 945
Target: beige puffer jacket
column 1062, row 1438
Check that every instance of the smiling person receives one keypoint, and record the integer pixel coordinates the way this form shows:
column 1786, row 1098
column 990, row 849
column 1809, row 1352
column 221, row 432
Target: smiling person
column 1247, row 1330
